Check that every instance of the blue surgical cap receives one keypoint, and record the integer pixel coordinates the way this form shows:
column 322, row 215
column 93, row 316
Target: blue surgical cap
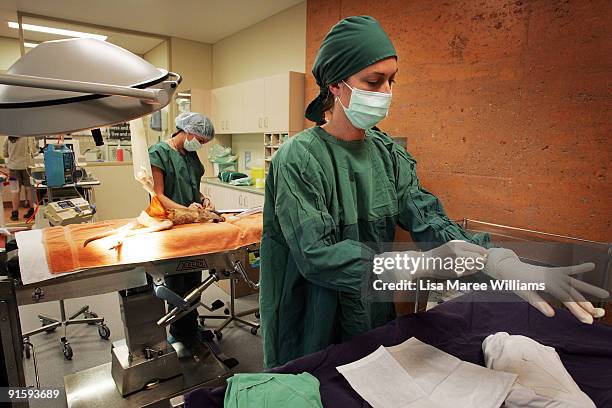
column 196, row 124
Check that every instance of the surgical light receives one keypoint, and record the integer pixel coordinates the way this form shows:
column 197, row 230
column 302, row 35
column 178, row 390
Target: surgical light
column 76, row 84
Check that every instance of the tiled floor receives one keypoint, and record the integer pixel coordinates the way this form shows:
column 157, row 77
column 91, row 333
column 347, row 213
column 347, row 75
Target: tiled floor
column 91, row 351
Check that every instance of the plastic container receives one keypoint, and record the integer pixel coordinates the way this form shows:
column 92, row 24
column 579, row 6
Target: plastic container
column 119, row 153
column 257, row 173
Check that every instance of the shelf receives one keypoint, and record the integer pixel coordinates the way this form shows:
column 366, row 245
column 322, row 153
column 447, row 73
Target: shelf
column 272, row 142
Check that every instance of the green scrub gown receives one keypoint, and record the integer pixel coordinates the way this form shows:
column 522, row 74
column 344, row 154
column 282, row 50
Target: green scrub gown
column 330, row 206
column 182, row 174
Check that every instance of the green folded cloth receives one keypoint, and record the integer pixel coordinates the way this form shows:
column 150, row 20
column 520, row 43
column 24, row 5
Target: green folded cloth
column 227, row 176
column 265, row 390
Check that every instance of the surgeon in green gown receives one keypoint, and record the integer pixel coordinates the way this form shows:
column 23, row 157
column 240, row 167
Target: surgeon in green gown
column 177, row 171
column 334, row 196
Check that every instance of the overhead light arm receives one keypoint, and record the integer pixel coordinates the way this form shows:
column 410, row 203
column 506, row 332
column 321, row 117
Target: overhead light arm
column 147, row 95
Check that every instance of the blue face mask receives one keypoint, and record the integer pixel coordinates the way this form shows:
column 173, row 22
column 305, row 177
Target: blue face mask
column 192, row 145
column 366, row 108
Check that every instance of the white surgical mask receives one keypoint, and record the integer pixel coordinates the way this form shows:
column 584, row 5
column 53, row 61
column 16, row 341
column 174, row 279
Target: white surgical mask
column 192, row 145
column 366, row 108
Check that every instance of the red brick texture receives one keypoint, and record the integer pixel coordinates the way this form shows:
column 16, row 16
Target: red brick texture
column 505, row 104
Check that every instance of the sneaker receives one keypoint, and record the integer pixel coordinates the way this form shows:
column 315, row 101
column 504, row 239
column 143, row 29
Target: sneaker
column 28, row 214
column 14, row 215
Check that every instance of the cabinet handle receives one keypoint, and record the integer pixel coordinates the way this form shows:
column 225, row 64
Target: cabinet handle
column 260, row 123
column 244, row 202
column 266, row 122
column 240, row 200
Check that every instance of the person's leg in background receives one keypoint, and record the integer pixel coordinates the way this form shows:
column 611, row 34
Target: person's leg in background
column 15, row 196
column 186, row 328
column 27, row 186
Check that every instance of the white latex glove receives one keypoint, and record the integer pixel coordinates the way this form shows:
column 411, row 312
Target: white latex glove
column 505, row 264
column 430, row 262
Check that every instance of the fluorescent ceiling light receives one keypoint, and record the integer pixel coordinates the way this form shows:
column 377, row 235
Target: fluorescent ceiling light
column 29, row 45
column 57, row 31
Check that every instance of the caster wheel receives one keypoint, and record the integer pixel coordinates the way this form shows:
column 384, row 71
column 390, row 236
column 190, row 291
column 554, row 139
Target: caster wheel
column 253, row 331
column 257, row 315
column 218, row 335
column 226, row 311
column 67, row 350
column 90, row 315
column 28, row 351
column 104, row 331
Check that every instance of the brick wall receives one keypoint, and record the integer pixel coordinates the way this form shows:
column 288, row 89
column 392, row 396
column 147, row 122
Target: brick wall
column 505, row 104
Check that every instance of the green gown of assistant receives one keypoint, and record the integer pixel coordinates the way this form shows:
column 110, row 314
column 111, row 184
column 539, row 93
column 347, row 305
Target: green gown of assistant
column 330, row 207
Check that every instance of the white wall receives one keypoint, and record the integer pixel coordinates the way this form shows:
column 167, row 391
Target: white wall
column 192, row 60
column 251, row 142
column 272, row 46
column 275, row 45
column 158, row 55
column 9, row 52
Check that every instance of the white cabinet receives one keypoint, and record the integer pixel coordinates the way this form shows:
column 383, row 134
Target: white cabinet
column 276, row 103
column 226, row 109
column 271, row 104
column 227, row 198
column 250, row 200
column 253, row 107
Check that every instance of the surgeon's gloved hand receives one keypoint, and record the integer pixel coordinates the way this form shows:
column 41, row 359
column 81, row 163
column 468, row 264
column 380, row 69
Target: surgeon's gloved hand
column 208, row 204
column 505, row 264
column 195, row 206
column 448, row 261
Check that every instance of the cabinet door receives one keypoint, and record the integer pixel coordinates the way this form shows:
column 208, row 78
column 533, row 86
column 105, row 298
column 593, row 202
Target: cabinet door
column 254, row 200
column 205, row 189
column 216, row 102
column 253, row 109
column 276, row 102
column 234, row 109
column 213, row 194
column 225, row 197
column 227, row 109
column 250, row 200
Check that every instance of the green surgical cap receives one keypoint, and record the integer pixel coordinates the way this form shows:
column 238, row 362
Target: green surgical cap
column 350, row 46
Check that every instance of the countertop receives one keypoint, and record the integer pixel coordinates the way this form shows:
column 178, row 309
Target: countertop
column 105, row 163
column 247, row 189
